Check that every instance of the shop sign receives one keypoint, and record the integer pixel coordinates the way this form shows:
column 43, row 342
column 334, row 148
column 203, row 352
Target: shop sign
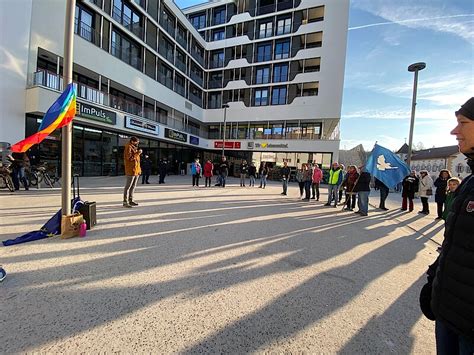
column 270, row 157
column 175, row 135
column 266, row 145
column 250, row 145
column 193, row 140
column 95, row 113
column 141, row 125
column 228, row 144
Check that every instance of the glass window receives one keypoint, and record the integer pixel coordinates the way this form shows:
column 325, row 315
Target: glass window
column 218, row 35
column 83, row 24
column 276, row 130
column 214, row 100
column 261, row 97
column 219, row 16
column 199, row 21
column 262, row 76
column 264, row 52
column 280, row 73
column 126, row 15
column 242, row 130
column 256, row 131
column 283, row 26
column 214, row 132
column 279, row 95
column 218, row 59
column 126, row 50
column 282, row 49
column 265, row 30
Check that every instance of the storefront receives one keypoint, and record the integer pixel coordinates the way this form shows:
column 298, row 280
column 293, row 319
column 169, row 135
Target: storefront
column 99, row 152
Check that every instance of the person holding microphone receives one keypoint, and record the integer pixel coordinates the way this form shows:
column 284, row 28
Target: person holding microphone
column 131, row 158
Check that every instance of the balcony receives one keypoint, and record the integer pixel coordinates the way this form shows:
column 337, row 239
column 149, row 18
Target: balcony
column 180, row 90
column 215, row 84
column 126, row 21
column 180, row 65
column 182, row 40
column 195, row 99
column 168, row 26
column 86, row 32
column 197, row 78
column 165, row 80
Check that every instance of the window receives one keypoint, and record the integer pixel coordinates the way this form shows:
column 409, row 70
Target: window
column 165, row 75
column 264, row 52
column 261, row 97
column 83, row 24
column 262, row 76
column 179, row 84
column 198, row 21
column 214, row 100
column 217, row 59
column 167, row 21
column 126, row 50
column 218, row 35
column 219, row 16
column 280, row 73
column 279, row 95
column 127, row 17
column 265, row 30
column 283, row 26
column 282, row 49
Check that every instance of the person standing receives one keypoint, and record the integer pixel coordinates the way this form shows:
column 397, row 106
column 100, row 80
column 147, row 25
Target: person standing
column 425, row 190
column 450, row 278
column 162, row 171
column 263, row 177
column 300, row 180
column 341, row 185
column 208, row 172
column 349, row 183
column 223, row 171
column 260, row 173
column 196, row 172
column 131, row 158
column 285, row 177
column 182, row 168
column 410, row 186
column 316, row 180
column 362, row 187
column 335, row 180
column 19, row 162
column 307, row 175
column 146, row 169
column 252, row 173
column 453, row 185
column 384, row 191
column 441, row 184
column 244, row 169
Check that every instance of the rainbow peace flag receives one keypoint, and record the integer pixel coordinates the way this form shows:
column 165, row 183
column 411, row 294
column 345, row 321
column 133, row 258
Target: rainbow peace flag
column 60, row 114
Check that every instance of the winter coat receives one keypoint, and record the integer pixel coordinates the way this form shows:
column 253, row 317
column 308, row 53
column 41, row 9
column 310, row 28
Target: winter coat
column 146, row 165
column 131, row 159
column 299, row 175
column 363, row 184
column 285, row 172
column 224, row 168
column 441, row 186
column 379, row 185
column 317, row 175
column 244, row 168
column 307, row 175
column 195, row 168
column 350, row 180
column 448, row 204
column 208, row 168
column 252, row 170
column 452, row 294
column 426, row 183
column 410, row 186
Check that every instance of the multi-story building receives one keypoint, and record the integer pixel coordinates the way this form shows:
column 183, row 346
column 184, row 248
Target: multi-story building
column 269, row 71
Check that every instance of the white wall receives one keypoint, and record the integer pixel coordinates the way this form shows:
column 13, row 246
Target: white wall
column 14, row 41
column 459, row 159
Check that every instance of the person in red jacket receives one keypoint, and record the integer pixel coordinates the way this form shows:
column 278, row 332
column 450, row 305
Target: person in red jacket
column 316, row 180
column 208, row 168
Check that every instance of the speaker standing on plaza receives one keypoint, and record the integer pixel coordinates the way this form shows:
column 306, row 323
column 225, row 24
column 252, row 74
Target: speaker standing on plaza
column 131, row 159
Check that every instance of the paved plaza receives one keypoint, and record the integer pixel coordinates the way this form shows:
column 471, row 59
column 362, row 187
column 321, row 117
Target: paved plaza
column 212, row 270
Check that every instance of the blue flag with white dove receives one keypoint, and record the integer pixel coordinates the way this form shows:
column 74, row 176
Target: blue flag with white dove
column 386, row 166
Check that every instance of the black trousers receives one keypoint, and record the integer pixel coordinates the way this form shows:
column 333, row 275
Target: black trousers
column 440, row 209
column 301, row 186
column 351, row 200
column 208, row 180
column 424, row 203
column 383, row 196
column 196, row 179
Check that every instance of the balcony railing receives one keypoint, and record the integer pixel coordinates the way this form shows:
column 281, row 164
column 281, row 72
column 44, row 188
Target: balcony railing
column 126, row 21
column 197, row 78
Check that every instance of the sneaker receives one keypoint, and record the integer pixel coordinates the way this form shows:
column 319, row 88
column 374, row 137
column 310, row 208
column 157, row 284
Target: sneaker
column 358, row 212
column 127, row 205
column 132, row 203
column 363, row 214
column 3, row 274
column 327, row 204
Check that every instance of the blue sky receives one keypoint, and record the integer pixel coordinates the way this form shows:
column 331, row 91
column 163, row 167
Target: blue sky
column 386, row 36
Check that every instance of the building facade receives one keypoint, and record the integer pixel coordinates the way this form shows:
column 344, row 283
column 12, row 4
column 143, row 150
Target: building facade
column 434, row 160
column 150, row 69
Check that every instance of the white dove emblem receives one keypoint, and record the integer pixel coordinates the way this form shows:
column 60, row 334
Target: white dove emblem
column 383, row 165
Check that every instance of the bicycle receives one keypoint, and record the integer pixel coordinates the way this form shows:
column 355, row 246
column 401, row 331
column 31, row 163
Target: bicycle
column 39, row 174
column 5, row 178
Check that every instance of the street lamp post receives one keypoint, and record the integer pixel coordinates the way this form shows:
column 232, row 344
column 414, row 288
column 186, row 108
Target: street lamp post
column 225, row 107
column 66, row 131
column 415, row 67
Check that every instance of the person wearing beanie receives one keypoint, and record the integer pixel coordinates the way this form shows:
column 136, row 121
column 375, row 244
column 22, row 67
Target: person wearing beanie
column 451, row 277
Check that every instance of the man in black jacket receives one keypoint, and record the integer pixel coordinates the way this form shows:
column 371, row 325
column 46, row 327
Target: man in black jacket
column 223, row 171
column 285, row 176
column 452, row 294
column 362, row 187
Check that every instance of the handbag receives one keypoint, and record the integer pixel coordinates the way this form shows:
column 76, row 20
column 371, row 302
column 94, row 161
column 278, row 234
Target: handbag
column 429, row 192
column 70, row 225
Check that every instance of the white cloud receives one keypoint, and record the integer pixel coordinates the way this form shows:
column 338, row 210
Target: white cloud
column 425, row 14
column 400, row 114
